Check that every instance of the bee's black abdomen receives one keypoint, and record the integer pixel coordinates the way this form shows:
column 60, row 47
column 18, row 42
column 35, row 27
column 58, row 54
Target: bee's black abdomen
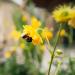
column 29, row 39
column 25, row 36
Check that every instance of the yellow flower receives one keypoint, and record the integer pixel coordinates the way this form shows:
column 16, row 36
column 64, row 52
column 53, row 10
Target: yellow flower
column 35, row 23
column 62, row 33
column 36, row 39
column 72, row 22
column 24, row 18
column 31, row 31
column 15, row 35
column 22, row 45
column 7, row 54
column 47, row 34
column 62, row 13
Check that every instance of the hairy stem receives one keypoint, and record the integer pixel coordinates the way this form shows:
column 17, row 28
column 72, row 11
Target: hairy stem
column 52, row 56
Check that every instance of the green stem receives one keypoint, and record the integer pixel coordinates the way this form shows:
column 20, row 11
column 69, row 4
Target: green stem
column 49, row 46
column 52, row 56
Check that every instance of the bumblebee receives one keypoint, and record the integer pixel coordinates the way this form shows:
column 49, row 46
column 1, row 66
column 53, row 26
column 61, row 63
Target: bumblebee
column 27, row 38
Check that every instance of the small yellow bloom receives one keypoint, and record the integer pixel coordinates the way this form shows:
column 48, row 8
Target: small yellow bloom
column 15, row 35
column 62, row 13
column 24, row 18
column 47, row 34
column 29, row 30
column 35, row 23
column 62, row 33
column 22, row 45
column 36, row 39
column 7, row 54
